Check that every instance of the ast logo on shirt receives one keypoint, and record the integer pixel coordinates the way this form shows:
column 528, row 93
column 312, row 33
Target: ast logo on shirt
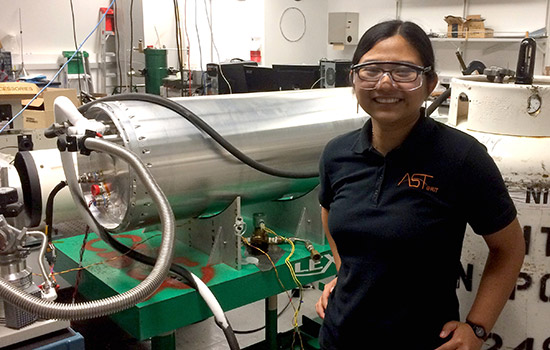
column 418, row 181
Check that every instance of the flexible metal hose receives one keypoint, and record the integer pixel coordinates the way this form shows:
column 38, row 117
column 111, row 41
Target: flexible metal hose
column 53, row 310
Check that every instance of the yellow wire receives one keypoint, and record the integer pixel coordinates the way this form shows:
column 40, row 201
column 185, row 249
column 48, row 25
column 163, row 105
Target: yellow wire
column 272, row 263
column 295, row 278
column 296, row 309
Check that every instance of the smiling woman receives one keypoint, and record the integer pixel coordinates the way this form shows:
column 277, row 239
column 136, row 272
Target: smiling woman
column 396, row 197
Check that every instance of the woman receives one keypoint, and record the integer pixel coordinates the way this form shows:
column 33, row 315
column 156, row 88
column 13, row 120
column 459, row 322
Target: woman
column 396, row 197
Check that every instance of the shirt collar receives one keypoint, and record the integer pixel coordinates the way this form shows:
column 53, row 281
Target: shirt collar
column 420, row 130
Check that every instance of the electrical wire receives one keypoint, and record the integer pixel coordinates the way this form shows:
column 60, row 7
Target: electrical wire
column 203, row 126
column 316, row 81
column 49, row 209
column 250, row 331
column 215, row 47
column 48, row 229
column 198, row 38
column 101, row 262
column 76, row 48
column 179, row 44
column 80, row 259
column 117, row 42
column 298, row 284
column 296, row 309
column 131, row 45
column 245, row 241
column 59, row 71
column 188, row 47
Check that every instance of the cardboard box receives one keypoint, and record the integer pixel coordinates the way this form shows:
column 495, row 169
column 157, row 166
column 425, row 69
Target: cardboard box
column 9, row 91
column 40, row 114
column 11, row 95
column 455, row 26
column 475, row 28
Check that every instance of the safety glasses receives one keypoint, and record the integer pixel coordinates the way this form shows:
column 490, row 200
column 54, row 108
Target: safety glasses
column 404, row 76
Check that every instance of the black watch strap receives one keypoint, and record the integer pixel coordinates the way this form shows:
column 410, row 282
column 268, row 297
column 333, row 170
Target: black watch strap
column 479, row 331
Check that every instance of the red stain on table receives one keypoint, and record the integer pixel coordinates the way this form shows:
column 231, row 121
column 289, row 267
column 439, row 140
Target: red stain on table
column 140, row 273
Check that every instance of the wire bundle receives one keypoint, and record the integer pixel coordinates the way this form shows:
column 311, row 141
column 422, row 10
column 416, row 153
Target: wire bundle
column 295, row 324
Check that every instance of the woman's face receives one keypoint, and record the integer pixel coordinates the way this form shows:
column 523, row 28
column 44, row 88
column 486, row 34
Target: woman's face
column 386, row 104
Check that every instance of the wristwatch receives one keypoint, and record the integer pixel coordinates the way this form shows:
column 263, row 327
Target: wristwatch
column 479, row 331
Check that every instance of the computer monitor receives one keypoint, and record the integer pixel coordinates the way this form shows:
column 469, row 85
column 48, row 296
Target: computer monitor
column 335, row 73
column 297, row 76
column 232, row 73
column 260, row 78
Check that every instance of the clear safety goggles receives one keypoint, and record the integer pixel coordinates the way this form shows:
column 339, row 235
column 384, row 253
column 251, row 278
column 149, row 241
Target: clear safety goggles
column 404, row 76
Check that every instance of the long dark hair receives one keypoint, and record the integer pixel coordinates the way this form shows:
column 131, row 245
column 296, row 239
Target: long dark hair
column 414, row 35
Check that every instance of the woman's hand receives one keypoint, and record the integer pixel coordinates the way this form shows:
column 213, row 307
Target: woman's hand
column 323, row 300
column 463, row 337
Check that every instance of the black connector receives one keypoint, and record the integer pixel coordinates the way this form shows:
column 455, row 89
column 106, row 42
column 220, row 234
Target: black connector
column 75, row 143
column 83, row 149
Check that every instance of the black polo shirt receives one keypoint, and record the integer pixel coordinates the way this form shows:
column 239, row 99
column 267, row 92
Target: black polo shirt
column 398, row 222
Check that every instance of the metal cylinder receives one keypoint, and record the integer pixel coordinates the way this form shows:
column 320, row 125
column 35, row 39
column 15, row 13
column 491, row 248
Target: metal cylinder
column 518, row 141
column 285, row 130
column 508, row 109
column 156, row 68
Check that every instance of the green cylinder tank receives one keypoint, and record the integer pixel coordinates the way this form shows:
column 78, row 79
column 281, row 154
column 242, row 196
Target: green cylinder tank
column 156, row 69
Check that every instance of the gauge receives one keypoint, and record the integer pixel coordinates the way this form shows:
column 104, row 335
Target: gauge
column 534, row 103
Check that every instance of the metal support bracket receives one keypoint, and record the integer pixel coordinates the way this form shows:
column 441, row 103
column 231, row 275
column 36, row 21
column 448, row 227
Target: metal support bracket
column 218, row 236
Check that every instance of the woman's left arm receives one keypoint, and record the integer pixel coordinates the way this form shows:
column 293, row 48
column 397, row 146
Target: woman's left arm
column 506, row 253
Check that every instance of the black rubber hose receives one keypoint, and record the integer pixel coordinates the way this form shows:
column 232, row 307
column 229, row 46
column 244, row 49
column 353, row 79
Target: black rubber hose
column 177, row 269
column 438, row 101
column 202, row 125
column 145, row 259
column 49, row 207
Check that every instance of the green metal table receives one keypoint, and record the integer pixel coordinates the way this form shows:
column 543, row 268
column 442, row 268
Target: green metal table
column 174, row 304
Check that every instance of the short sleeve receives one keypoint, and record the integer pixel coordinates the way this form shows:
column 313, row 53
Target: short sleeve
column 484, row 197
column 326, row 194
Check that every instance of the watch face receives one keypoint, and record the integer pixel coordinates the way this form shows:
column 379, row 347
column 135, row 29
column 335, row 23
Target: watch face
column 480, row 332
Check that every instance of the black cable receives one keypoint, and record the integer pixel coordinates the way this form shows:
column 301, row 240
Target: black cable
column 142, row 258
column 177, row 269
column 49, row 208
column 262, row 327
column 230, row 336
column 438, row 101
column 203, row 126
column 81, row 257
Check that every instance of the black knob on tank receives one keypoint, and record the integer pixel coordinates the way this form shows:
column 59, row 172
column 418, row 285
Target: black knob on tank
column 526, row 61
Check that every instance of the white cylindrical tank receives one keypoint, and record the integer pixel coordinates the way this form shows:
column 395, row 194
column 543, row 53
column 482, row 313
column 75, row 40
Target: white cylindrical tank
column 34, row 174
column 513, row 122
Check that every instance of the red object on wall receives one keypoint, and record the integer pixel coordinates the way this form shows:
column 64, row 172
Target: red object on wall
column 109, row 19
column 256, row 56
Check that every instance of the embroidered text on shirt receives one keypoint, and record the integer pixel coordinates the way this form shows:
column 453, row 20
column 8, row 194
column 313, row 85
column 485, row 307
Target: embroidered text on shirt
column 418, row 181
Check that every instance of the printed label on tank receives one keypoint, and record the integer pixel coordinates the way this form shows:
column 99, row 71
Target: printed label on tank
column 523, row 324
